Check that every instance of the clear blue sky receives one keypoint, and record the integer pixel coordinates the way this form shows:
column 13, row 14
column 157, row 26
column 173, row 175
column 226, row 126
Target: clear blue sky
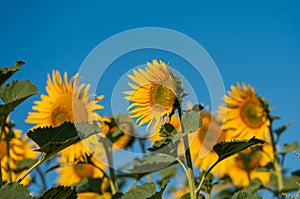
column 256, row 42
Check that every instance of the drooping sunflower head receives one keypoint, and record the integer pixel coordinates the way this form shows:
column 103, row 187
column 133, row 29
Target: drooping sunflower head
column 245, row 113
column 65, row 101
column 156, row 92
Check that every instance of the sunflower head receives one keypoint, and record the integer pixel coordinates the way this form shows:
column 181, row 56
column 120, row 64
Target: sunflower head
column 65, row 101
column 245, row 113
column 19, row 150
column 70, row 174
column 246, row 164
column 203, row 140
column 156, row 92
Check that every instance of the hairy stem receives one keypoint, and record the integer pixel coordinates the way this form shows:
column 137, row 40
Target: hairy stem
column 8, row 170
column 277, row 167
column 38, row 163
column 190, row 171
column 205, row 175
column 112, row 180
column 183, row 166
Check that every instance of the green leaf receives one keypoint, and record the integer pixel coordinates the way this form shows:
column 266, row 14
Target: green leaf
column 17, row 91
column 226, row 194
column 167, row 172
column 290, row 183
column 159, row 144
column 51, row 140
column 151, row 162
column 280, row 130
column 191, row 121
column 291, row 147
column 158, row 195
column 227, row 149
column 144, row 191
column 14, row 191
column 25, row 164
column 254, row 185
column 12, row 95
column 245, row 195
column 6, row 73
column 167, row 131
column 89, row 185
column 197, row 107
column 187, row 196
column 85, row 129
column 63, row 192
column 117, row 195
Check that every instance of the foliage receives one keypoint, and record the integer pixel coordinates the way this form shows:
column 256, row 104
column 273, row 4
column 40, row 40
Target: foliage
column 152, row 175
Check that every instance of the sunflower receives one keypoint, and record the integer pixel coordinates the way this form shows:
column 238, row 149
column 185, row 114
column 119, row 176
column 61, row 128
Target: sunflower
column 66, row 101
column 203, row 140
column 19, row 150
column 244, row 113
column 74, row 173
column 246, row 163
column 156, row 90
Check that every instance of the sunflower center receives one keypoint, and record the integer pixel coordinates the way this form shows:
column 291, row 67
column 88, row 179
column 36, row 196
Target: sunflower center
column 252, row 115
column 61, row 114
column 248, row 162
column 163, row 96
column 84, row 170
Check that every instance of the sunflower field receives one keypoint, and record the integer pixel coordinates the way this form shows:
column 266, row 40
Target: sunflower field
column 189, row 152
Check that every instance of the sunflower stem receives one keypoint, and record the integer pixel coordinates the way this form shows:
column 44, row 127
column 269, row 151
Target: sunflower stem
column 205, row 175
column 183, row 166
column 277, row 167
column 38, row 163
column 190, row 171
column 112, row 180
column 8, row 172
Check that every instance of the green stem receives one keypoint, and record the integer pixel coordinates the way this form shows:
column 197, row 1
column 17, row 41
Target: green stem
column 183, row 166
column 190, row 171
column 112, row 180
column 205, row 175
column 40, row 161
column 277, row 167
column 8, row 171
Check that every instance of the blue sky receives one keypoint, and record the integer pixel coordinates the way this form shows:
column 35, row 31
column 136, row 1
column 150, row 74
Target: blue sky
column 256, row 42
